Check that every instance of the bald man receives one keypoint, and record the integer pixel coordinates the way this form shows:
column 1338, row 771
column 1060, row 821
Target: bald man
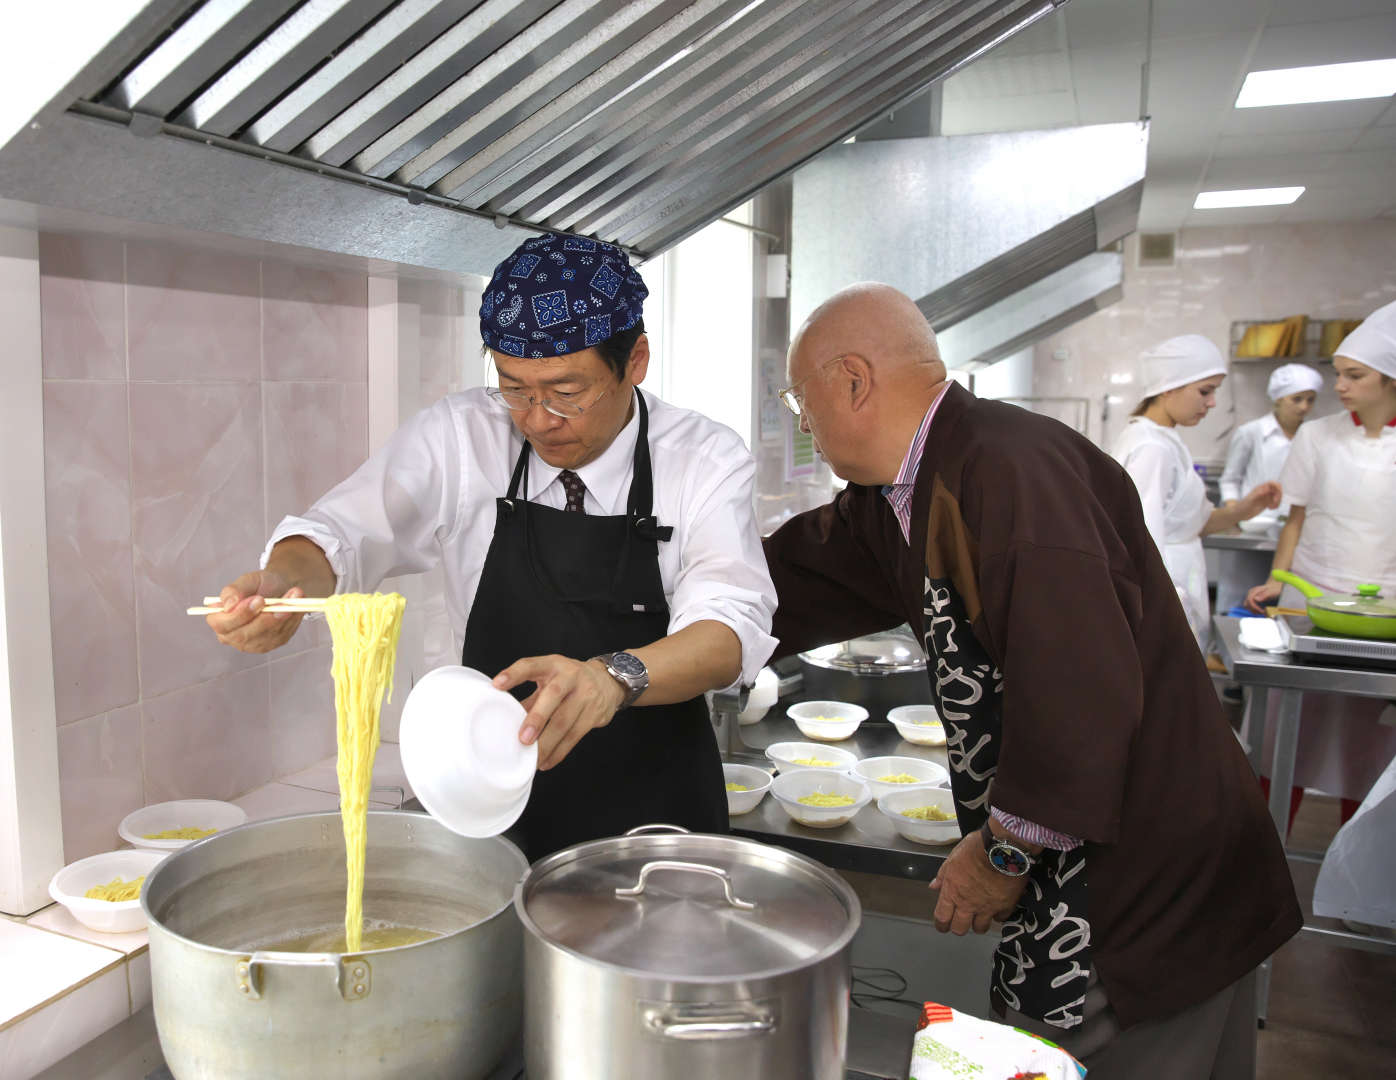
column 1110, row 819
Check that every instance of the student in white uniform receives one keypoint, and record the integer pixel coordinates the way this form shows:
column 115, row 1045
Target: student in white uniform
column 1257, row 453
column 1341, row 533
column 1180, row 378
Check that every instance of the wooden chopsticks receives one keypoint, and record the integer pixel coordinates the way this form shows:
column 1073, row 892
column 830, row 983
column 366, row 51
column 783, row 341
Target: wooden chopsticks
column 213, row 605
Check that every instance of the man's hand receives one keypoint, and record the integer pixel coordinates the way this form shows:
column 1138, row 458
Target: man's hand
column 1262, row 596
column 573, row 697
column 244, row 624
column 1266, row 496
column 972, row 893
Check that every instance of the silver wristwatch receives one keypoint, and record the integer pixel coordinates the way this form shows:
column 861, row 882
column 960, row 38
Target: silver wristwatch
column 628, row 670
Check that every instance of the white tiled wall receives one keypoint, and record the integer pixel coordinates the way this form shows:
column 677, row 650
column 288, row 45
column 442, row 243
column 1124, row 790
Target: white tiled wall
column 1325, row 271
column 191, row 399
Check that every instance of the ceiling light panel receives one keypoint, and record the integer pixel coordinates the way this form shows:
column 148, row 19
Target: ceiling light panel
column 1326, row 82
column 1275, row 196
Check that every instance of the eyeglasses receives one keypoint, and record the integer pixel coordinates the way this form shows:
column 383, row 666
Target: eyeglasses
column 795, row 401
column 519, row 401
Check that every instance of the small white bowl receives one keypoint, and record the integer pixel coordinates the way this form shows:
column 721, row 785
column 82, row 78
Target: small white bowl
column 827, row 720
column 757, row 783
column 786, row 757
column 762, row 696
column 179, row 814
column 459, row 740
column 919, row 724
column 922, row 832
column 104, row 916
column 927, row 773
column 788, row 788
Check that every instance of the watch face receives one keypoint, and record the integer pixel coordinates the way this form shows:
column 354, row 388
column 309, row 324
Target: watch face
column 1008, row 860
column 628, row 664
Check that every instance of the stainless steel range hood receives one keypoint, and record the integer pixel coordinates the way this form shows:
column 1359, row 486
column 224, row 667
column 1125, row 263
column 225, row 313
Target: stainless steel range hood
column 412, row 130
column 997, row 237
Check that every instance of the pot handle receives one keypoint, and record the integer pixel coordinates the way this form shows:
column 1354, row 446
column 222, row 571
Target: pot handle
column 352, row 974
column 676, row 1020
column 1309, row 590
column 638, row 889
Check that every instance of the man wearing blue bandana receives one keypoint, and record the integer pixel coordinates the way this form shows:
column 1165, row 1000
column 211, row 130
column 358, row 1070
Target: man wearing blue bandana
column 599, row 547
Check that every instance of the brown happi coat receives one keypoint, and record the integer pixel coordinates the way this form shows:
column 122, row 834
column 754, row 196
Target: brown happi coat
column 1074, row 696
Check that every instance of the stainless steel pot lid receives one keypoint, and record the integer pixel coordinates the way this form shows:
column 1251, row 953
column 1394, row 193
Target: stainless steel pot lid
column 885, row 653
column 688, row 906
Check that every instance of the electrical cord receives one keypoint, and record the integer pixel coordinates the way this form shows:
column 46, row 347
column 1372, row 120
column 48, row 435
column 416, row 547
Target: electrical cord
column 874, row 984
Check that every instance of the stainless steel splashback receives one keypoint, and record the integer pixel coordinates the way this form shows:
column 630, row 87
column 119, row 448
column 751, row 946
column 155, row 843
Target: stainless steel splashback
column 363, row 125
column 963, row 223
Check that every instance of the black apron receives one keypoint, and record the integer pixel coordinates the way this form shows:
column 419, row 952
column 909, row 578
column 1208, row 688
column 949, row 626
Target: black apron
column 578, row 585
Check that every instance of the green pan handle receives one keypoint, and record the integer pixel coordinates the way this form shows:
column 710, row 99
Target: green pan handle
column 1309, row 590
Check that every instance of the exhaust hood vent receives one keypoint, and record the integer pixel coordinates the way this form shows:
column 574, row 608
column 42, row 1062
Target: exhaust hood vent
column 1158, row 249
column 991, row 234
column 637, row 123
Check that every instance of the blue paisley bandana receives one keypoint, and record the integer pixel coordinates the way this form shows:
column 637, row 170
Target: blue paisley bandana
column 559, row 294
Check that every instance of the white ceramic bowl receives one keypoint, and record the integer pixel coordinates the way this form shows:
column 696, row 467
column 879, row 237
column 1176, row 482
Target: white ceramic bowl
column 757, row 783
column 786, row 757
column 461, row 752
column 892, row 804
column 179, row 814
column 918, row 724
column 927, row 773
column 827, row 720
column 104, row 916
column 761, row 697
column 788, row 788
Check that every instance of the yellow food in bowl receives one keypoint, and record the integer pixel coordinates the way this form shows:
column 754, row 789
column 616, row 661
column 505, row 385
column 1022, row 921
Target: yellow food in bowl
column 819, row 798
column 116, row 890
column 899, row 778
column 828, row 719
column 928, row 723
column 188, row 832
column 737, row 787
column 927, row 813
column 811, row 761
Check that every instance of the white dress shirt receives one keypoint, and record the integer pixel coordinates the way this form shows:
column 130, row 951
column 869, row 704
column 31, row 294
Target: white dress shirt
column 427, row 499
column 1257, row 453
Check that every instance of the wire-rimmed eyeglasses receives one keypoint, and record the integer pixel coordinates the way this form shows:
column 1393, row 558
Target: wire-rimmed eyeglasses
column 559, row 405
column 790, row 396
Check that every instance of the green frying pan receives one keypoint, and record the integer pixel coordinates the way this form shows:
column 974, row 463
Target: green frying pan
column 1364, row 614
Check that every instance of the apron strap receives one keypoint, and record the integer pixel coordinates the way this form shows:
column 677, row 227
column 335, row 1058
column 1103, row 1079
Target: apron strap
column 640, row 505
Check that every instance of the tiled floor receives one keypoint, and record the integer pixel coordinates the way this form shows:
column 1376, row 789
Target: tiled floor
column 1331, row 1008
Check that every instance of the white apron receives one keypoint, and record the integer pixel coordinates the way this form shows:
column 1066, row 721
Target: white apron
column 1176, row 508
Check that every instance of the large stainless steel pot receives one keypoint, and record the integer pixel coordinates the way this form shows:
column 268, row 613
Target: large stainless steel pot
column 879, row 672
column 448, row 1007
column 685, row 956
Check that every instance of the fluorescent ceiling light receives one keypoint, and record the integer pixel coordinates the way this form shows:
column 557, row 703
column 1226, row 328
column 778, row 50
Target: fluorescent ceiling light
column 1262, row 196
column 1326, row 82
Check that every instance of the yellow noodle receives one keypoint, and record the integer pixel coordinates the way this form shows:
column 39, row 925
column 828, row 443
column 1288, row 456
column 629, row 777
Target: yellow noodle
column 810, row 761
column 819, row 798
column 737, row 787
column 899, row 778
column 365, row 630
column 188, row 832
column 116, row 890
column 926, row 813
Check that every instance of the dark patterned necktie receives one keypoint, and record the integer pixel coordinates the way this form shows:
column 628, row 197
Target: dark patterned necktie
column 576, row 490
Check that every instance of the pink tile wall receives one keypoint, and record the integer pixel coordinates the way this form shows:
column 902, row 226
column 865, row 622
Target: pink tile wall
column 191, row 399
column 1341, row 270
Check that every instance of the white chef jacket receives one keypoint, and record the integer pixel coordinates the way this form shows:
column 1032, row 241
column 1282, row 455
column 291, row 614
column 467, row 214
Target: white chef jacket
column 1346, row 483
column 1175, row 510
column 427, row 499
column 1257, row 453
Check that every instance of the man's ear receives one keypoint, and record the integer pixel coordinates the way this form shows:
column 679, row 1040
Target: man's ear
column 858, row 372
column 639, row 363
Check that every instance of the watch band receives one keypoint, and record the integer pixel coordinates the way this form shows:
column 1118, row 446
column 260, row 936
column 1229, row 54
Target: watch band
column 628, row 670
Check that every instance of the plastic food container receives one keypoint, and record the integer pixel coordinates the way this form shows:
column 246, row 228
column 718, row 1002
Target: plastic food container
column 762, row 696
column 892, row 806
column 786, row 756
column 927, row 773
column 827, row 720
column 757, row 782
column 919, row 724
column 788, row 788
column 179, row 814
column 104, row 916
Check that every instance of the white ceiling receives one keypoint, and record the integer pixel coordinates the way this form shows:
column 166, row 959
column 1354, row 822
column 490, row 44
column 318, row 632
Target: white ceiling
column 1084, row 63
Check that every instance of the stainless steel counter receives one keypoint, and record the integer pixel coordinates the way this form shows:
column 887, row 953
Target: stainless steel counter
column 868, row 843
column 1236, row 540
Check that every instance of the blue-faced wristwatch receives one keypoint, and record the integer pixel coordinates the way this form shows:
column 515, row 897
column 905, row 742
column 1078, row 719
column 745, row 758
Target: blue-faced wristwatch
column 1005, row 856
column 628, row 670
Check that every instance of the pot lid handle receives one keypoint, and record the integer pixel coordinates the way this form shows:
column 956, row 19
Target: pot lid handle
column 644, row 830
column 638, row 889
column 1369, row 590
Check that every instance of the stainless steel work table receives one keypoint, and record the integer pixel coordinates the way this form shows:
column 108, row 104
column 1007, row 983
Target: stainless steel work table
column 868, row 843
column 1261, row 673
column 1236, row 540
